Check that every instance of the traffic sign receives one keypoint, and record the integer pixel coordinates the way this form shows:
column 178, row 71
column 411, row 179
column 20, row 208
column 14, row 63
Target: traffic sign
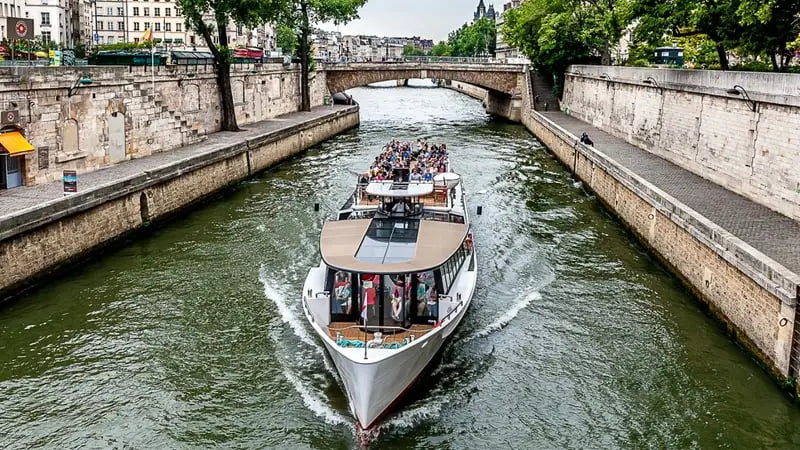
column 9, row 117
column 96, row 37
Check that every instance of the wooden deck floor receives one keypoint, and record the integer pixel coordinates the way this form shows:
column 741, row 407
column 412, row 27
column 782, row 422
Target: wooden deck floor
column 356, row 334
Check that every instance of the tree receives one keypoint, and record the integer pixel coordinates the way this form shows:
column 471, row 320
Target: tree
column 442, row 49
column 770, row 27
column 205, row 17
column 551, row 34
column 299, row 16
column 286, row 40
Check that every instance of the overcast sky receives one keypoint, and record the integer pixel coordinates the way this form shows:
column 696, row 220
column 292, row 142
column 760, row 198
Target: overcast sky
column 431, row 19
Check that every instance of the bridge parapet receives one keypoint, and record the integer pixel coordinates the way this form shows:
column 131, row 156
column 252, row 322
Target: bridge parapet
column 498, row 77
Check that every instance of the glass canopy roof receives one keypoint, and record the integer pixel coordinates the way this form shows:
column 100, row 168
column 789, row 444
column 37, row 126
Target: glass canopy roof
column 389, row 241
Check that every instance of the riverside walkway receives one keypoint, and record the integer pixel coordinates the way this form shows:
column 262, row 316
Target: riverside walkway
column 769, row 232
column 14, row 202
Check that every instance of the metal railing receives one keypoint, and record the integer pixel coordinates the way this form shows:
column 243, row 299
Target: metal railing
column 431, row 60
column 387, row 341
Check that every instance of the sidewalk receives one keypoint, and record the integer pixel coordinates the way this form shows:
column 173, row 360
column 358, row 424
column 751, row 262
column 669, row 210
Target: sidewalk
column 14, row 201
column 769, row 232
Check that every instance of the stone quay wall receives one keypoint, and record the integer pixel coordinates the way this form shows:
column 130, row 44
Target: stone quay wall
column 688, row 117
column 753, row 295
column 36, row 242
column 117, row 117
column 468, row 89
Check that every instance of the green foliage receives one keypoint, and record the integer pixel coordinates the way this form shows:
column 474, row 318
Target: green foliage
column 442, row 49
column 286, row 39
column 410, row 50
column 752, row 29
column 477, row 39
column 80, row 50
column 120, row 46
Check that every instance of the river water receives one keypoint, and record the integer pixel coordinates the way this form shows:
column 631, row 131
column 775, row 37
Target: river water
column 192, row 335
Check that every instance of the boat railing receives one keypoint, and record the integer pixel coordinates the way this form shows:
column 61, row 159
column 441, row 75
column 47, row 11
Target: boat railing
column 390, row 341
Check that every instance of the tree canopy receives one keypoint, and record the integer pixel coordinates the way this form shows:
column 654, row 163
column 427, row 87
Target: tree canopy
column 476, row 39
column 300, row 16
column 557, row 33
column 206, row 17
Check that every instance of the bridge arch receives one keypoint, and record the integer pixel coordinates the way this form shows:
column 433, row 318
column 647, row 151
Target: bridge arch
column 501, row 78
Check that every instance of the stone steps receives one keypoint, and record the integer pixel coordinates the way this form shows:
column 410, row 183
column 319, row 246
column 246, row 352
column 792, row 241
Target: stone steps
column 543, row 97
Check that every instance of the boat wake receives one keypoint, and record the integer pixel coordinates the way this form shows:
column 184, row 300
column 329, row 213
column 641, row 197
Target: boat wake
column 506, row 318
column 313, row 398
column 288, row 315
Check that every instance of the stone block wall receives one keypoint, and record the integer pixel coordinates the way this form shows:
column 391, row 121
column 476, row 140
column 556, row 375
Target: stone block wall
column 33, row 243
column 753, row 296
column 118, row 117
column 689, row 118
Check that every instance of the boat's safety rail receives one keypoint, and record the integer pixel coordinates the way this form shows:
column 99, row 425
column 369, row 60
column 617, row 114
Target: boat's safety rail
column 398, row 338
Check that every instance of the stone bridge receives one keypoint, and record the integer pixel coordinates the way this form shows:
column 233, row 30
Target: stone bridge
column 503, row 81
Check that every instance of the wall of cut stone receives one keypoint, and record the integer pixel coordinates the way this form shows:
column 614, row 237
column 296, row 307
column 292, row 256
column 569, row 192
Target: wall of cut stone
column 762, row 321
column 49, row 242
column 116, row 117
column 689, row 118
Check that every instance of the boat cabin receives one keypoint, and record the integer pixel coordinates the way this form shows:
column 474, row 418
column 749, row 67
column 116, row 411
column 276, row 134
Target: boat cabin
column 390, row 273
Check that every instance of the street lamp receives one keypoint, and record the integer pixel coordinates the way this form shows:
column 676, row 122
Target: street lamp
column 738, row 90
column 652, row 81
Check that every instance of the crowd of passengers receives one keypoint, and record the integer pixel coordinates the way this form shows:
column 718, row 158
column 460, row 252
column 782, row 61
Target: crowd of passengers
column 419, row 160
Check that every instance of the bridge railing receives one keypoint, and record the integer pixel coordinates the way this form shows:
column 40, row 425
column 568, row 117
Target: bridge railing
column 434, row 60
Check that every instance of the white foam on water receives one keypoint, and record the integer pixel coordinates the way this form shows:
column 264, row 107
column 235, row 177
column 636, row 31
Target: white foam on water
column 288, row 315
column 411, row 417
column 506, row 318
column 316, row 402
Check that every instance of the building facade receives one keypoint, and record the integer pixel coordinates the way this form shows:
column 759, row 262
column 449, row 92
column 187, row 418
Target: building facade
column 9, row 8
column 481, row 12
column 502, row 49
column 52, row 20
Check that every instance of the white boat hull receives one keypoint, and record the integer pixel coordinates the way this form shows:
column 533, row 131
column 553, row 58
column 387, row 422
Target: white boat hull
column 374, row 385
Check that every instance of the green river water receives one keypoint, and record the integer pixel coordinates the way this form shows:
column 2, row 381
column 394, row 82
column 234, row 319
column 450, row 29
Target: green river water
column 192, row 334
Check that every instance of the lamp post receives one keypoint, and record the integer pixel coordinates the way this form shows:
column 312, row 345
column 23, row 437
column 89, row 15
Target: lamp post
column 739, row 90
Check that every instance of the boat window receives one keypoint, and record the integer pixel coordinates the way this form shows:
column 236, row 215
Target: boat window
column 451, row 267
column 426, row 297
column 342, row 295
column 369, row 289
column 396, row 299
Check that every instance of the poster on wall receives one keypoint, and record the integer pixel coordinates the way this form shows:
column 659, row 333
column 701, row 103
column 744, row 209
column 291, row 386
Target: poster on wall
column 70, row 181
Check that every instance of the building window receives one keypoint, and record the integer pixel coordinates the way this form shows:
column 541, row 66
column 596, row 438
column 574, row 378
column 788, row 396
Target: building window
column 45, row 18
column 158, row 26
column 46, row 36
column 110, row 26
column 167, row 26
column 120, row 12
column 121, row 26
column 147, row 25
column 238, row 30
column 157, row 11
column 135, row 40
column 100, row 26
column 167, row 12
column 136, row 27
column 110, row 40
column 147, row 11
column 178, row 27
column 136, row 11
column 110, row 11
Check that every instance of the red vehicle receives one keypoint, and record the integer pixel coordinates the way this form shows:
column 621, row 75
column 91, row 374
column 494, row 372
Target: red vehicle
column 251, row 53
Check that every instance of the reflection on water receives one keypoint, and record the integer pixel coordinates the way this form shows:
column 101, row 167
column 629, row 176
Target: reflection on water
column 193, row 336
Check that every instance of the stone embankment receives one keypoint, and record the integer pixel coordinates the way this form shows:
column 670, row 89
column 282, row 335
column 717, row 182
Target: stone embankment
column 661, row 168
column 42, row 230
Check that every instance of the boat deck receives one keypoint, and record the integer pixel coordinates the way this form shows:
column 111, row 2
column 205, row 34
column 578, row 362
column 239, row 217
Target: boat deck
column 438, row 198
column 352, row 332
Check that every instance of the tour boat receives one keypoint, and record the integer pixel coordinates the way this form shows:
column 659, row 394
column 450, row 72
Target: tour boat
column 397, row 273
